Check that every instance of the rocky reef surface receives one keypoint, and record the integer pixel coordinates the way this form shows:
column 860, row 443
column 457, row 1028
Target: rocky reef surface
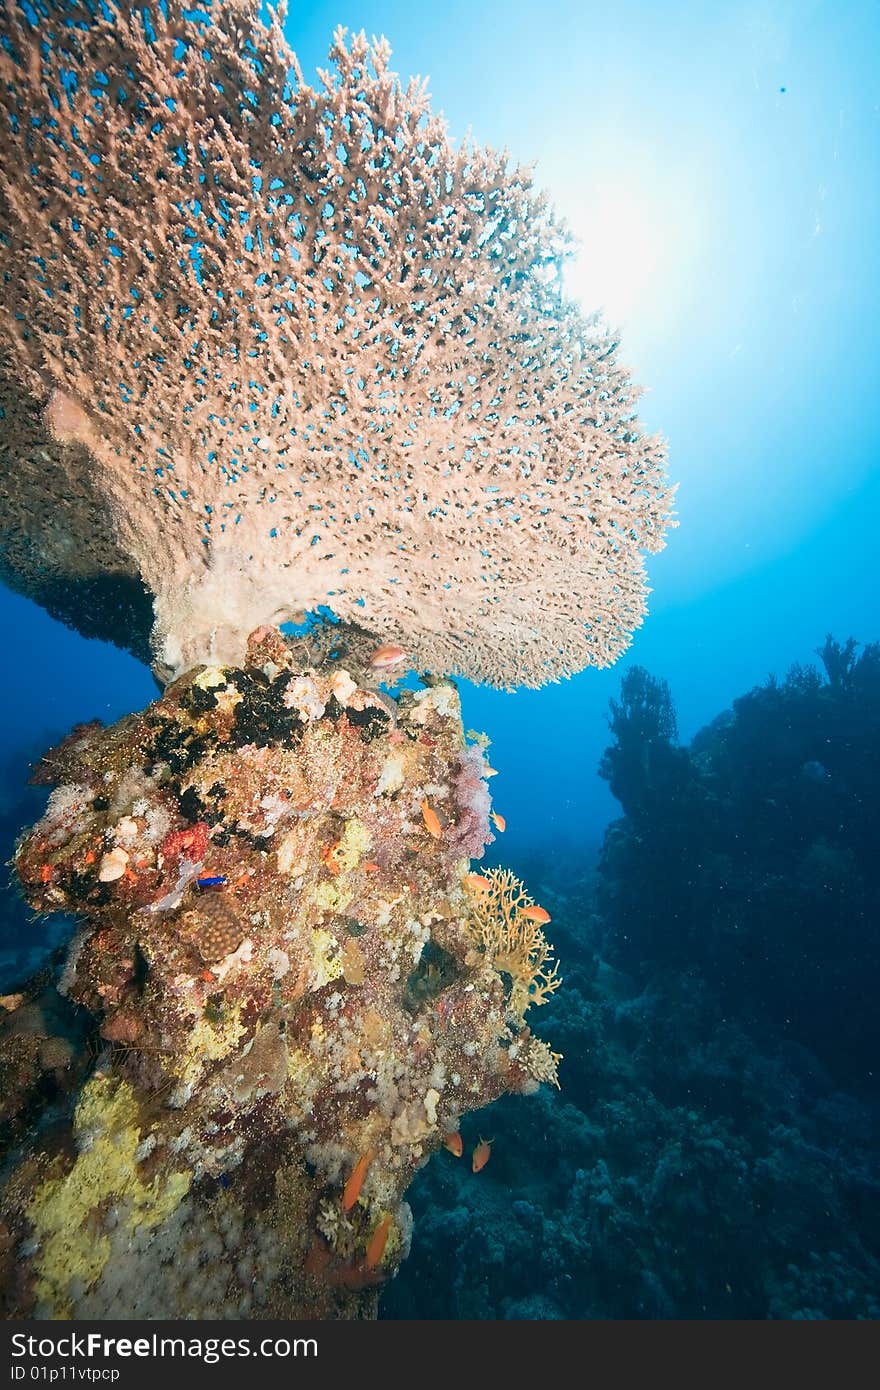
column 286, row 988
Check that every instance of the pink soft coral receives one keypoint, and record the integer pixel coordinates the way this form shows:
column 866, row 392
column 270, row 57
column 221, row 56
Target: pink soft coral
column 471, row 833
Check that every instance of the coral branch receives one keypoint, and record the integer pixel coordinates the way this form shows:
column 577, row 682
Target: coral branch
column 511, row 940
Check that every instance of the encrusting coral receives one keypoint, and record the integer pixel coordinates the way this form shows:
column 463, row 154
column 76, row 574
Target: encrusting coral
column 294, row 347
column 289, row 1013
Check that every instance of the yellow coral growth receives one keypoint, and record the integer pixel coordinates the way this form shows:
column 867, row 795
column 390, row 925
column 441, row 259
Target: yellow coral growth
column 64, row 1210
column 353, row 846
column 511, row 941
column 208, row 1042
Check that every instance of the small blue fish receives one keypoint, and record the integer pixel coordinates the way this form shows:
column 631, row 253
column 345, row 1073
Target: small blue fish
column 215, row 882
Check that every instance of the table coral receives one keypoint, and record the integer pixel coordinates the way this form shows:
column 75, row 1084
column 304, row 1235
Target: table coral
column 267, row 346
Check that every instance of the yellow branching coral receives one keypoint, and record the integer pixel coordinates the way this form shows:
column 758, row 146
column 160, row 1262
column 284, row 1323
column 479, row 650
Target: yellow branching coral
column 505, row 927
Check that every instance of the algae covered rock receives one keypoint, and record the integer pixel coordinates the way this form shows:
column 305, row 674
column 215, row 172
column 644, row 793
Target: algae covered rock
column 278, row 961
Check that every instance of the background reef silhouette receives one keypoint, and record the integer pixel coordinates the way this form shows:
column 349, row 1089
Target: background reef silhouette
column 714, row 1151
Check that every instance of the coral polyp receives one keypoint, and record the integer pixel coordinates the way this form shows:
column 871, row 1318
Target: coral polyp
column 278, row 956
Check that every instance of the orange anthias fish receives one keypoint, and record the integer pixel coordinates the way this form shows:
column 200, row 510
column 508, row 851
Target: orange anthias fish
column 328, row 856
column 432, row 820
column 387, row 656
column 378, row 1241
column 535, row 914
column 498, row 821
column 476, row 883
column 482, row 1154
column 455, row 1144
column 356, row 1181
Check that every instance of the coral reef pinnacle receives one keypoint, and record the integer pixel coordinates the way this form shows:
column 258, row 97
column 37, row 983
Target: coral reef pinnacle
column 289, row 1015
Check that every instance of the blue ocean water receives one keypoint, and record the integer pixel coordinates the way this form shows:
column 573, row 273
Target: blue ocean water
column 714, row 1148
